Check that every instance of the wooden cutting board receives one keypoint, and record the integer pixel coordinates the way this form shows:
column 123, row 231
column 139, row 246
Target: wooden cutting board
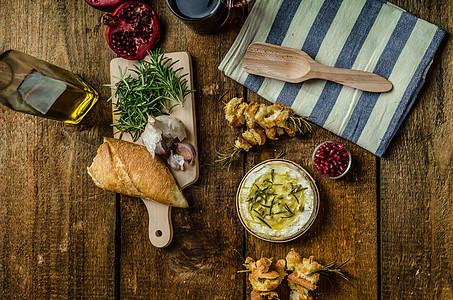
column 160, row 225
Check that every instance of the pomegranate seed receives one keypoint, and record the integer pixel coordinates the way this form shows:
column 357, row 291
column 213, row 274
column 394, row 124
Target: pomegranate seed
column 132, row 29
column 331, row 159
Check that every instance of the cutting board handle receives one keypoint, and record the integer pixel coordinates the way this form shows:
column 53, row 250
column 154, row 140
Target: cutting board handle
column 160, row 226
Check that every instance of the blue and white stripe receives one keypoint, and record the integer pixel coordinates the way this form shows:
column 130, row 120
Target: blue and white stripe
column 370, row 35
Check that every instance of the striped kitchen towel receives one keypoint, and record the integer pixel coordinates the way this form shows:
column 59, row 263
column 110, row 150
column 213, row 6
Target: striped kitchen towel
column 369, row 35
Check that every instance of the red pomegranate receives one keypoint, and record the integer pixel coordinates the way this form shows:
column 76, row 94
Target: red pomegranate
column 132, row 30
column 105, row 5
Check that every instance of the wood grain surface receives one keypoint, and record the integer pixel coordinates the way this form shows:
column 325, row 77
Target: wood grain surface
column 63, row 238
column 339, row 232
column 416, row 181
column 57, row 230
column 201, row 262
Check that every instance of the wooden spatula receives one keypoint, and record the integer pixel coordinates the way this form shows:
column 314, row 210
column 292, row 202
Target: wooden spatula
column 293, row 65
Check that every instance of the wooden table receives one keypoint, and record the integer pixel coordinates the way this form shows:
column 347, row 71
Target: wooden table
column 61, row 237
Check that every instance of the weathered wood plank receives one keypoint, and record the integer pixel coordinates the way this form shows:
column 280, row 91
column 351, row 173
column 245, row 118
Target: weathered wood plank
column 56, row 227
column 346, row 226
column 200, row 263
column 417, row 182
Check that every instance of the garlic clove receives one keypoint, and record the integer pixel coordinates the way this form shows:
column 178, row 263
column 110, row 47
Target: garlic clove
column 187, row 151
column 175, row 161
column 161, row 148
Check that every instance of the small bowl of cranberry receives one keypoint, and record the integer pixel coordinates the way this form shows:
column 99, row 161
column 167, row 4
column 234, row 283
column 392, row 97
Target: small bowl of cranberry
column 331, row 159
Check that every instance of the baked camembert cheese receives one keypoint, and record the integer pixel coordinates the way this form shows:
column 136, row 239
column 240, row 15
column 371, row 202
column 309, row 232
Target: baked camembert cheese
column 276, row 200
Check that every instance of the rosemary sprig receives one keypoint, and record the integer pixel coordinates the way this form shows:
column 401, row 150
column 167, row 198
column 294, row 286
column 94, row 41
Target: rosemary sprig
column 295, row 197
column 153, row 88
column 259, row 189
column 268, row 181
column 301, row 124
column 330, row 268
column 225, row 159
column 223, row 95
column 280, row 154
column 294, row 190
column 259, row 213
column 272, row 205
column 264, row 222
column 288, row 209
column 253, row 199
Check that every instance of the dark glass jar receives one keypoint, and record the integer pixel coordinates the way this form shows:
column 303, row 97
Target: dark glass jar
column 203, row 16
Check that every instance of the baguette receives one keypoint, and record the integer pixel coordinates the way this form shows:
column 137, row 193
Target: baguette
column 129, row 169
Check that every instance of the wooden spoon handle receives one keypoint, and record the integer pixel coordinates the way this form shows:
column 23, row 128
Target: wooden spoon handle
column 361, row 80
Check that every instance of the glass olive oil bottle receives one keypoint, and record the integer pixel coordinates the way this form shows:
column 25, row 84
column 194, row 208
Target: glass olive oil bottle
column 36, row 87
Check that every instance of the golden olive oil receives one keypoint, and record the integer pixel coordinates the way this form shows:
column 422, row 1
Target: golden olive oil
column 36, row 87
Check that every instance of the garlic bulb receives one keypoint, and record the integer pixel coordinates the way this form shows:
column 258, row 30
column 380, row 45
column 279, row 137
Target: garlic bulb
column 160, row 132
column 170, row 126
column 151, row 137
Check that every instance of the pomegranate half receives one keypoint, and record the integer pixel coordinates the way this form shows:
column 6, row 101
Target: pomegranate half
column 132, row 30
column 105, row 5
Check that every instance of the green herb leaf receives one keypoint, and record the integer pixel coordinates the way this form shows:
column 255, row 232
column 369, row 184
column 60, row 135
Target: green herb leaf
column 259, row 213
column 265, row 223
column 272, row 205
column 295, row 197
column 268, row 181
column 155, row 89
column 288, row 209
